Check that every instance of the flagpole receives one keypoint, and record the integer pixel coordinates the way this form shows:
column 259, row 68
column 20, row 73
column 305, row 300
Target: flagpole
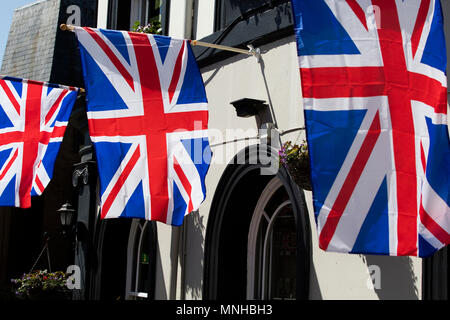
column 251, row 51
column 81, row 90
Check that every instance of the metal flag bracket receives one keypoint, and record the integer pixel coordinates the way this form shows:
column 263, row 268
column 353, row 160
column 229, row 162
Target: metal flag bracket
column 256, row 52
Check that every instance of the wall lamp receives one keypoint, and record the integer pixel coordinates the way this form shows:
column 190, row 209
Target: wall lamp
column 67, row 216
column 248, row 107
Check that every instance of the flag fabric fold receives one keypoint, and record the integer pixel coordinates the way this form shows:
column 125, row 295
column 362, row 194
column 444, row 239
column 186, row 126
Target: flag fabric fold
column 374, row 91
column 33, row 119
column 148, row 117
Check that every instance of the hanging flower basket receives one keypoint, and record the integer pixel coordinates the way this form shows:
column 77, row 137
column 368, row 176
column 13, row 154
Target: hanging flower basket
column 42, row 285
column 295, row 158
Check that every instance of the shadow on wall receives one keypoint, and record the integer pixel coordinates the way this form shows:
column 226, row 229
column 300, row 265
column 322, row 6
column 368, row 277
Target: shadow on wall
column 314, row 287
column 397, row 279
column 195, row 229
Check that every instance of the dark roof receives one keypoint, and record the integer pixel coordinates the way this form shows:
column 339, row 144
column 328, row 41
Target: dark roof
column 31, row 41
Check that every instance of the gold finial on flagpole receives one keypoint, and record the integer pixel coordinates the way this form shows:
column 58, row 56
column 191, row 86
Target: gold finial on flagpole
column 66, row 27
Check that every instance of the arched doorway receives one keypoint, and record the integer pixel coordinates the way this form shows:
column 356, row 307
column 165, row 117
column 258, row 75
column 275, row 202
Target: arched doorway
column 232, row 233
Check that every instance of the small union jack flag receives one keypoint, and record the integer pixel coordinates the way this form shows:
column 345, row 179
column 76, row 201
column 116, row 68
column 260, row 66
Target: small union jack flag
column 33, row 119
column 147, row 113
column 375, row 97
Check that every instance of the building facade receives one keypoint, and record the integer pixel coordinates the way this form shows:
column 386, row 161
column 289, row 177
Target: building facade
column 254, row 236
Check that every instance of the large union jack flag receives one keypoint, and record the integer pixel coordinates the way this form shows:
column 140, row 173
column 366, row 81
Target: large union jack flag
column 147, row 113
column 375, row 99
column 33, row 119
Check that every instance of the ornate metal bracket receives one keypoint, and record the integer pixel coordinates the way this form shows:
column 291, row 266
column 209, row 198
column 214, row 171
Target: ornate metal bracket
column 83, row 172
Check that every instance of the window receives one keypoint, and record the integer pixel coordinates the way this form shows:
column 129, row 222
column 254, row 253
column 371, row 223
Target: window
column 239, row 23
column 141, row 260
column 272, row 269
column 282, row 253
column 123, row 14
column 228, row 10
column 277, row 249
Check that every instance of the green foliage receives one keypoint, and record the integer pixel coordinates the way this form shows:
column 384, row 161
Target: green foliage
column 295, row 158
column 292, row 152
column 153, row 27
column 40, row 281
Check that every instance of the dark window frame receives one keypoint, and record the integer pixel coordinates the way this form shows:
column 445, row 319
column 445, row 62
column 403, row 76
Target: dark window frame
column 221, row 7
column 113, row 9
column 258, row 26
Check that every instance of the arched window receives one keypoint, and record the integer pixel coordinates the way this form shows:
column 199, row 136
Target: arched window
column 141, row 260
column 272, row 246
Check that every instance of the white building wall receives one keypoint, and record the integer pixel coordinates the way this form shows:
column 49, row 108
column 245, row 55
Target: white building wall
column 276, row 80
column 205, row 18
column 102, row 14
column 180, row 22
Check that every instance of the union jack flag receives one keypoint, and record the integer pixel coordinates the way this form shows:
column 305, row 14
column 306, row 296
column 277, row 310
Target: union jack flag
column 374, row 92
column 33, row 119
column 147, row 113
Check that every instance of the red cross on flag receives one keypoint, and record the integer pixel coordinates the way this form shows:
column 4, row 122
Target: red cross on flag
column 148, row 117
column 375, row 97
column 33, row 119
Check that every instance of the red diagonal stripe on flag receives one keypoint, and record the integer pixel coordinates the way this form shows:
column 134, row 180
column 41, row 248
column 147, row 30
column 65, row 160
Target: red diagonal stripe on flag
column 112, row 56
column 359, row 12
column 39, row 184
column 10, row 96
column 8, row 166
column 54, row 107
column 184, row 181
column 176, row 73
column 350, row 183
column 433, row 227
column 420, row 22
column 120, row 182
